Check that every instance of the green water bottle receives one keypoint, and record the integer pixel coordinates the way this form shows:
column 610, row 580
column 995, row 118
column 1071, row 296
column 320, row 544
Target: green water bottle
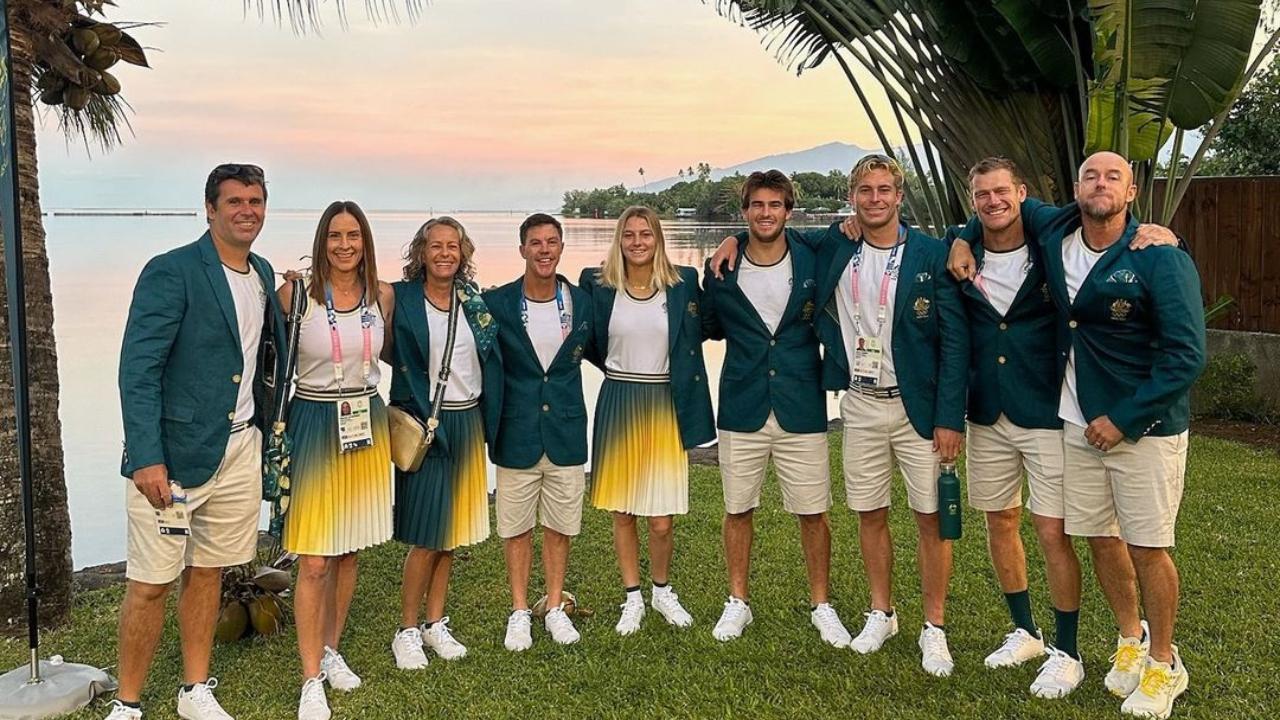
column 949, row 503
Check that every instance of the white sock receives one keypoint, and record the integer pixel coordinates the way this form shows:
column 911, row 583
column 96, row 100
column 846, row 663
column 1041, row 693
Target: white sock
column 635, row 596
column 663, row 590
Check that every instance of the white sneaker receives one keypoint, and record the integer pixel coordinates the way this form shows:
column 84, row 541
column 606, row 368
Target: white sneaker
column 336, row 671
column 407, row 647
column 519, row 637
column 560, row 626
column 879, row 627
column 1161, row 684
column 667, row 603
column 833, row 632
column 935, row 658
column 735, row 618
column 312, row 704
column 632, row 614
column 441, row 641
column 1019, row 646
column 120, row 711
column 198, row 703
column 1059, row 675
column 1127, row 663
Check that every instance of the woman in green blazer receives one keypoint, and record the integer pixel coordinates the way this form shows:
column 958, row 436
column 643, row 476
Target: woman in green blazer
column 654, row 403
column 444, row 505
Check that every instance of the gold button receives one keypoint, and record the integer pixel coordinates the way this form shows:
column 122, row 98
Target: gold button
column 772, row 343
column 1000, row 359
column 1004, row 326
column 404, row 368
column 693, row 352
column 1072, row 324
column 235, row 379
column 545, row 407
column 772, row 373
column 545, row 378
column 697, row 378
column 231, row 416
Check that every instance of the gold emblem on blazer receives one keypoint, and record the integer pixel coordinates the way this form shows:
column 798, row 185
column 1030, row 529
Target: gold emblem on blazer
column 692, row 308
column 1120, row 309
column 577, row 353
column 921, row 306
column 806, row 311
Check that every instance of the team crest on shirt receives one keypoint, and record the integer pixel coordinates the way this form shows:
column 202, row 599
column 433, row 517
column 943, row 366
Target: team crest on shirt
column 1120, row 309
column 806, row 311
column 692, row 308
column 921, row 306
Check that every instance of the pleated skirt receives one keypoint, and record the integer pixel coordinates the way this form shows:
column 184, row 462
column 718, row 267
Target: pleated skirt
column 640, row 466
column 340, row 502
column 445, row 505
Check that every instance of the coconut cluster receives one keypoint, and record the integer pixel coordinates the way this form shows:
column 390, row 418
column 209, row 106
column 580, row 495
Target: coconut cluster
column 76, row 64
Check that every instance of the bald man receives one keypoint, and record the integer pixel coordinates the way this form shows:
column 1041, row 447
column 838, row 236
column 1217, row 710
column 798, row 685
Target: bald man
column 1132, row 342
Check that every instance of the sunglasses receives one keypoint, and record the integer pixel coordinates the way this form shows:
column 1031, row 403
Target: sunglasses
column 238, row 169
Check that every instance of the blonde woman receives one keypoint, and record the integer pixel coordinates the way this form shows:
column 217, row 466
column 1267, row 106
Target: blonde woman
column 654, row 404
column 444, row 505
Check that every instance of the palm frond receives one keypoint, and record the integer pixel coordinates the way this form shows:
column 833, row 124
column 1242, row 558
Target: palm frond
column 306, row 16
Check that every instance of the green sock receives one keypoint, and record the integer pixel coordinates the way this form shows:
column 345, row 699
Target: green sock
column 1066, row 624
column 1020, row 610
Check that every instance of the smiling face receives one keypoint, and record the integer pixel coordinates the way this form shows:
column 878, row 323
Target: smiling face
column 344, row 246
column 1105, row 186
column 236, row 216
column 442, row 252
column 997, row 197
column 767, row 214
column 876, row 197
column 639, row 242
column 541, row 251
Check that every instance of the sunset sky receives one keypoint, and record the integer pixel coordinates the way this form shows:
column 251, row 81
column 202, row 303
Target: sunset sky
column 480, row 104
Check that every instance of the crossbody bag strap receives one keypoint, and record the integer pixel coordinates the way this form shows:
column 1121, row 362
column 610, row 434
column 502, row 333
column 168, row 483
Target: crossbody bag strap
column 293, row 326
column 446, row 364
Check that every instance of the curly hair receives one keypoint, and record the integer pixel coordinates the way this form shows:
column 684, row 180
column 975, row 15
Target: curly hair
column 415, row 267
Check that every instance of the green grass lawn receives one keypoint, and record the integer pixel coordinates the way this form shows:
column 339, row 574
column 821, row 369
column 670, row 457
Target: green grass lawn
column 1229, row 539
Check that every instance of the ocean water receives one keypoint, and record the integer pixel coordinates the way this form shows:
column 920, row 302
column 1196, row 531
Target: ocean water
column 95, row 260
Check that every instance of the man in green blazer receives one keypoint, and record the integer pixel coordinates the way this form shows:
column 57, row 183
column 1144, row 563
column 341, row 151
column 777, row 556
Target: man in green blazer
column 1132, row 342
column 194, row 399
column 541, row 446
column 771, row 401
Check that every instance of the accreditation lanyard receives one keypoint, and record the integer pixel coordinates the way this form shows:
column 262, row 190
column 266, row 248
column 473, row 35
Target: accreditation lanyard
column 335, row 338
column 882, row 312
column 565, row 320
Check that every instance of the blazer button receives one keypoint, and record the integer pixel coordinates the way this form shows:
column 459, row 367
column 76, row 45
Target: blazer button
column 772, row 343
column 404, row 368
column 1004, row 326
column 1072, row 324
column 772, row 372
column 546, row 407
column 693, row 352
column 231, row 416
column 546, row 379
column 1000, row 360
column 235, row 379
column 697, row 378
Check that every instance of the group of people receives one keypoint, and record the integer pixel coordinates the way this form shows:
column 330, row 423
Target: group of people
column 1068, row 348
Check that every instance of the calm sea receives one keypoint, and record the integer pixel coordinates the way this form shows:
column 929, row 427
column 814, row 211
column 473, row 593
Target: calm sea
column 95, row 261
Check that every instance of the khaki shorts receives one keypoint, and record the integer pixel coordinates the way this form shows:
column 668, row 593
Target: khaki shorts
column 552, row 492
column 224, row 518
column 1133, row 490
column 998, row 454
column 801, row 460
column 876, row 434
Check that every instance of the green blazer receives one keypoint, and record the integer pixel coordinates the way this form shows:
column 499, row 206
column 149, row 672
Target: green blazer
column 930, row 339
column 544, row 412
column 1137, row 325
column 411, row 383
column 689, row 386
column 181, row 362
column 765, row 371
column 1013, row 358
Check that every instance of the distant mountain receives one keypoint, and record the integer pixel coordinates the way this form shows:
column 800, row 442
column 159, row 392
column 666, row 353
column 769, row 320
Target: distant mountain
column 823, row 158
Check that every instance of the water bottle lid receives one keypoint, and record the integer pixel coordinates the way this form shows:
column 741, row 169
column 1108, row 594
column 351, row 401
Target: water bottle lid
column 948, row 467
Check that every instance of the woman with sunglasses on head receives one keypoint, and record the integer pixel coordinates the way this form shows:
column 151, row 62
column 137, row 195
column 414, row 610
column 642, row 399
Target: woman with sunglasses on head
column 340, row 468
column 653, row 406
column 444, row 505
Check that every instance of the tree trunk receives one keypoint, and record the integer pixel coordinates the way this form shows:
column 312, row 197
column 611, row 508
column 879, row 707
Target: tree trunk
column 53, row 524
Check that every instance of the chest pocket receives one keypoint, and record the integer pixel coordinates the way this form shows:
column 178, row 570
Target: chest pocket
column 1122, row 297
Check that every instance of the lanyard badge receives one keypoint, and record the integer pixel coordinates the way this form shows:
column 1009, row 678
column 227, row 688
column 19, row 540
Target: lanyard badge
column 868, row 351
column 565, row 320
column 335, row 338
column 355, row 426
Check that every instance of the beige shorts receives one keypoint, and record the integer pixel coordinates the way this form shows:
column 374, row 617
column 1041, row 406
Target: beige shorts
column 546, row 490
column 224, row 516
column 996, row 457
column 1133, row 490
column 876, row 434
column 802, row 462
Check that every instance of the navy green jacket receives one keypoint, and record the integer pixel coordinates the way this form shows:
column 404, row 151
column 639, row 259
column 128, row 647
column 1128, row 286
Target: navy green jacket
column 1137, row 325
column 689, row 386
column 1013, row 358
column 765, row 371
column 181, row 362
column 412, row 385
column 543, row 412
column 930, row 340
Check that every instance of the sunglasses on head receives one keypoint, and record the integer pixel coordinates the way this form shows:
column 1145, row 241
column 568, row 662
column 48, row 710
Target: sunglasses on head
column 234, row 169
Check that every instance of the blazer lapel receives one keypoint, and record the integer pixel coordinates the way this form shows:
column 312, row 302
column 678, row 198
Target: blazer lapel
column 576, row 299
column 731, row 281
column 213, row 268
column 414, row 309
column 802, row 261
column 840, row 261
column 514, row 310
column 906, row 278
column 1099, row 270
column 676, row 299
